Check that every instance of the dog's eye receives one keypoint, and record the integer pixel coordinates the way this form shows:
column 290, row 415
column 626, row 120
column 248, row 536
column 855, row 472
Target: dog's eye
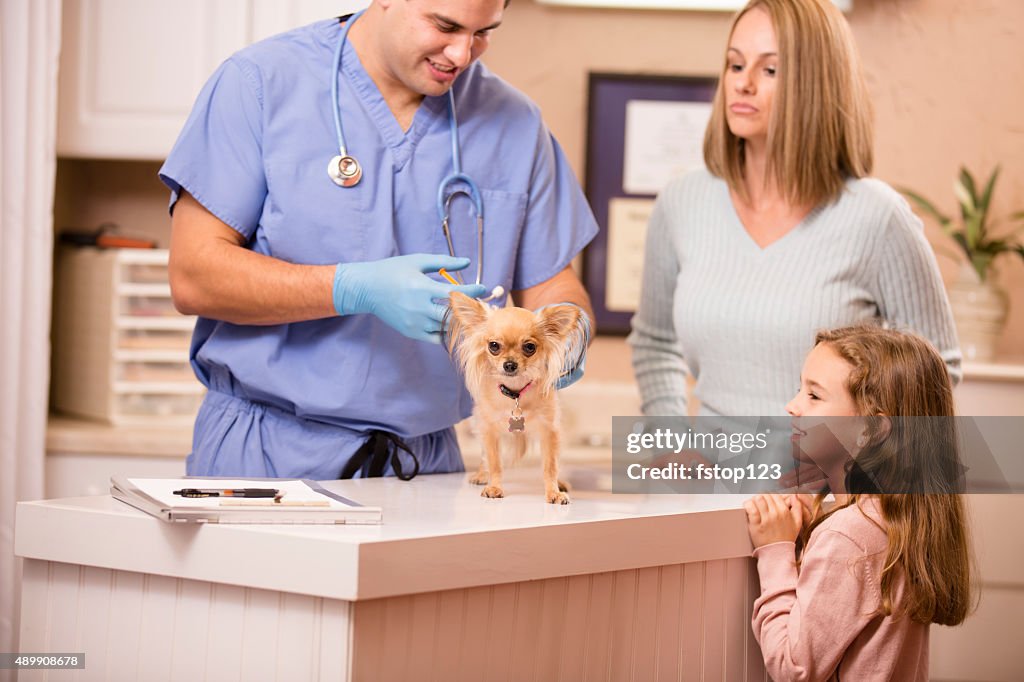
column 529, row 348
column 494, row 347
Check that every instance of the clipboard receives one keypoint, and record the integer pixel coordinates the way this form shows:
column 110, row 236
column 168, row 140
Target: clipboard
column 303, row 501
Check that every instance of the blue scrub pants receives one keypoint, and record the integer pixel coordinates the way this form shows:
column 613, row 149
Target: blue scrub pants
column 240, row 438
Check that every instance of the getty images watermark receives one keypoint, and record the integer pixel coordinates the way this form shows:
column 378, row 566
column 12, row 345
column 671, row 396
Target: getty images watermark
column 763, row 454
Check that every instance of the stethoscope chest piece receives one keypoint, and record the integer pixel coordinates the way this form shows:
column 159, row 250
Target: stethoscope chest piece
column 345, row 171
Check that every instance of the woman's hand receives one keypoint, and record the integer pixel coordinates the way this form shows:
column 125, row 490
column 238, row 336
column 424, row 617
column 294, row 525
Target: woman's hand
column 773, row 518
column 805, row 503
column 806, row 477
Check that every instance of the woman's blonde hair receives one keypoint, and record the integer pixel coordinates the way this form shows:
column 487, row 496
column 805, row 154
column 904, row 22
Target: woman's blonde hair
column 901, row 385
column 820, row 130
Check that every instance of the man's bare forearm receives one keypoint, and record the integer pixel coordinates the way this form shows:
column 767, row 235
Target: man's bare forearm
column 213, row 275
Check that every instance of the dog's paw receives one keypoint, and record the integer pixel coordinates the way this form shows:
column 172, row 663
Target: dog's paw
column 563, row 486
column 558, row 498
column 492, row 491
column 479, row 478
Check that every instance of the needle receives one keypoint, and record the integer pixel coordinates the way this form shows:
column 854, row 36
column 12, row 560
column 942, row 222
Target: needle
column 496, row 292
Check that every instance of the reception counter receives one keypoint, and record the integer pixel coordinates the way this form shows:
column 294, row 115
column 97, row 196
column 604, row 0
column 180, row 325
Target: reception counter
column 450, row 586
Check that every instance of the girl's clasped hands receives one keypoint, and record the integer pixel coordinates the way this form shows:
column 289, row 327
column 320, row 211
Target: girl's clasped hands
column 777, row 518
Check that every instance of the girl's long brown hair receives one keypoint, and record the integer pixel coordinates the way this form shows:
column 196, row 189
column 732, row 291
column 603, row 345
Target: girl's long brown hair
column 821, row 130
column 898, row 375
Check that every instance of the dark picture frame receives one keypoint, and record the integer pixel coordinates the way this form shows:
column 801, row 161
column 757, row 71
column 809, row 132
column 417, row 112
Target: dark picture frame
column 608, row 96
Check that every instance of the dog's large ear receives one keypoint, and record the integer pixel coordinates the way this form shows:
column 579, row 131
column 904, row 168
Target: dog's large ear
column 559, row 321
column 463, row 314
column 561, row 326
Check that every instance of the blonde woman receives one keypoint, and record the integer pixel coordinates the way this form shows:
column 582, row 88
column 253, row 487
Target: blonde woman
column 784, row 233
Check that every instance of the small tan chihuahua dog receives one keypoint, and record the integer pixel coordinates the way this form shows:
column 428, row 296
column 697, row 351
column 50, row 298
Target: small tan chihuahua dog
column 511, row 359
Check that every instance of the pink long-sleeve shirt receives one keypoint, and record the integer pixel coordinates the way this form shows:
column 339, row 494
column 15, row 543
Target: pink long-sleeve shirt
column 817, row 623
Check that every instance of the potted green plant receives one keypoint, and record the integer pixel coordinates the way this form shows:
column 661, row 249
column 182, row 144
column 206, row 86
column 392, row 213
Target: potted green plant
column 979, row 305
column 972, row 231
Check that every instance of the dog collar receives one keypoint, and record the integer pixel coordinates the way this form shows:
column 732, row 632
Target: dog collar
column 509, row 393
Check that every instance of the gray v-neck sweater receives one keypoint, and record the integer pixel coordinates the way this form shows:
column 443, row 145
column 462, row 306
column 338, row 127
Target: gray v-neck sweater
column 741, row 318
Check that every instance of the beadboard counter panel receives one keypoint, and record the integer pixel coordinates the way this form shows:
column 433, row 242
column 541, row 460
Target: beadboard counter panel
column 608, row 585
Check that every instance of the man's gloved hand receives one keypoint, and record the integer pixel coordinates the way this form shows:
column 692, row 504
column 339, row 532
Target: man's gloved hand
column 574, row 375
column 398, row 292
column 576, row 349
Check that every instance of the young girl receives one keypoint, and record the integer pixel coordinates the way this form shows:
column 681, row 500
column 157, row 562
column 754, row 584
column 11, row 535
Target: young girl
column 849, row 593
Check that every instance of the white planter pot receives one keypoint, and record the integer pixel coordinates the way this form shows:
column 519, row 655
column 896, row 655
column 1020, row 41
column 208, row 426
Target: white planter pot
column 979, row 309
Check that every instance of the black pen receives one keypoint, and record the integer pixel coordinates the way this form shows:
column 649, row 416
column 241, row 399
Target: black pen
column 233, row 492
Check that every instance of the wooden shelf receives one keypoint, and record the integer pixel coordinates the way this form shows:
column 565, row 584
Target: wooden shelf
column 1002, row 370
column 81, row 436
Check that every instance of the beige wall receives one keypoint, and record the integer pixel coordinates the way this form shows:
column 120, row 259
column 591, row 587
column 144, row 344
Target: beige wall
column 947, row 77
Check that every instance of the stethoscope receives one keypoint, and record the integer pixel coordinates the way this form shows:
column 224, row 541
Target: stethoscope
column 345, row 170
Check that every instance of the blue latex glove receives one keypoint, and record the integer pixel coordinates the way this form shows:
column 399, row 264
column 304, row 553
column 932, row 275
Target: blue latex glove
column 576, row 351
column 573, row 376
column 398, row 292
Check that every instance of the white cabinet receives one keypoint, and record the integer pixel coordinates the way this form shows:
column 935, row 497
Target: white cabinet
column 273, row 16
column 693, row 5
column 131, row 69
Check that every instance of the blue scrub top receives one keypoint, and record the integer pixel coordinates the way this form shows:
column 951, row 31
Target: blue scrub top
column 254, row 152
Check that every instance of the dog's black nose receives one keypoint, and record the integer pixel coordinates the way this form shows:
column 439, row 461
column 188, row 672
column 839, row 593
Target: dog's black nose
column 510, row 366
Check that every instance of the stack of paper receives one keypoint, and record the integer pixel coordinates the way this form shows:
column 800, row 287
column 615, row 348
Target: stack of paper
column 297, row 501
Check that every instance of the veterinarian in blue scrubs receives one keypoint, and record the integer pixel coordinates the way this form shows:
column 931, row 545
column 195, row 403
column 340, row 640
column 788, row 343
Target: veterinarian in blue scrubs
column 317, row 333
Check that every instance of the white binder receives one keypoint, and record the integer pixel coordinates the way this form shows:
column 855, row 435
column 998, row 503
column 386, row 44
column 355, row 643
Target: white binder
column 301, row 501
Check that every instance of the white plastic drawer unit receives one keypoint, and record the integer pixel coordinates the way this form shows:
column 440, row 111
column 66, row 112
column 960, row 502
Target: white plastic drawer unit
column 120, row 347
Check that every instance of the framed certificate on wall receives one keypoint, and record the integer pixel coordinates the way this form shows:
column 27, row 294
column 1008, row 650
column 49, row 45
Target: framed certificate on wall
column 641, row 131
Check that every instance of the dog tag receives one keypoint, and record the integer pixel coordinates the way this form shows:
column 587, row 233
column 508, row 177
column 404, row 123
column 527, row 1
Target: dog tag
column 517, row 422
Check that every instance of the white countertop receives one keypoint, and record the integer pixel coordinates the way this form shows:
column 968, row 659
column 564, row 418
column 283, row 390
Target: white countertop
column 438, row 533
